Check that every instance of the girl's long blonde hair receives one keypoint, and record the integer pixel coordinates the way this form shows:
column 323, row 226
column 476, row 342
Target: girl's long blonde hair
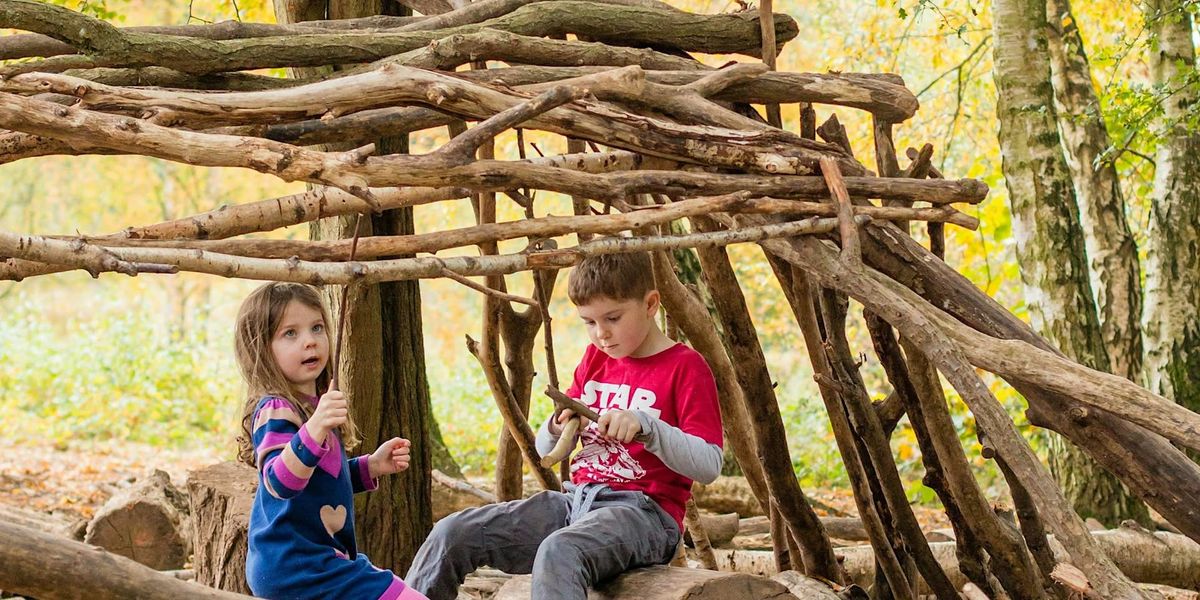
column 257, row 321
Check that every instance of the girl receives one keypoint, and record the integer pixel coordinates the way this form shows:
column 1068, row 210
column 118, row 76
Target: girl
column 301, row 535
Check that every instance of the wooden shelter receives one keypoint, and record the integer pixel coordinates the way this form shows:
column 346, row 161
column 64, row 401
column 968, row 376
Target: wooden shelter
column 655, row 137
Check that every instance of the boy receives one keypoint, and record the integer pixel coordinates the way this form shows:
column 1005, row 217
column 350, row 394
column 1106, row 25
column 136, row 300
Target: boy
column 659, row 429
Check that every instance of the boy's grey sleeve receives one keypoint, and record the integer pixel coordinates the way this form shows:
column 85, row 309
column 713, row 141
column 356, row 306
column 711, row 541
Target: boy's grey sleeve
column 684, row 453
column 545, row 441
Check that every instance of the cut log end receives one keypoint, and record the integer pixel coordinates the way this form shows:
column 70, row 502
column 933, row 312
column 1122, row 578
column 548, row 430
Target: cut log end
column 146, row 522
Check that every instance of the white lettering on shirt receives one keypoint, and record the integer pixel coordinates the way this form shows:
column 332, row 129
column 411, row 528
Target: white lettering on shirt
column 607, row 396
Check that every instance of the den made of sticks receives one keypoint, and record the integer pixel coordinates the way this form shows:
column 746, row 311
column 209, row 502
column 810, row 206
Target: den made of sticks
column 674, row 145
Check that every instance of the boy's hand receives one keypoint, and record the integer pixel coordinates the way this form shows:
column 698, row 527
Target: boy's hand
column 390, row 457
column 331, row 412
column 620, row 425
column 556, row 425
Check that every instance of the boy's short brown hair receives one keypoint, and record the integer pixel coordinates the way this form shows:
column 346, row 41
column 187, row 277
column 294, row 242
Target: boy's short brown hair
column 616, row 276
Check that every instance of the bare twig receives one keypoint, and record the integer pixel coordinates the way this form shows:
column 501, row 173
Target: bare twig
column 483, row 289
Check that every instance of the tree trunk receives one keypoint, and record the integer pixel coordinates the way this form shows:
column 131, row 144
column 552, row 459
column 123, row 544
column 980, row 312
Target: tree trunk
column 1050, row 241
column 1172, row 322
column 146, row 522
column 383, row 361
column 1116, row 273
column 394, row 520
column 221, row 497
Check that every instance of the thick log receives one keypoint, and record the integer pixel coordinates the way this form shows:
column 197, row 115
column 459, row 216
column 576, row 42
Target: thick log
column 1160, row 558
column 51, row 567
column 719, row 528
column 844, row 529
column 877, row 94
column 221, row 498
column 29, row 45
column 669, row 583
column 44, row 522
column 623, row 25
column 147, row 522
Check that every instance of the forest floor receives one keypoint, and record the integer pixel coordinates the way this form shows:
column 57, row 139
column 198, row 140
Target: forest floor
column 74, row 480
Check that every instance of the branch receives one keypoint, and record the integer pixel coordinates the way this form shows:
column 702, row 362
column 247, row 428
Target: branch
column 93, row 259
column 367, row 125
column 377, row 246
column 562, row 401
column 851, row 250
column 292, row 269
column 483, row 289
column 493, row 44
column 541, row 227
column 462, row 486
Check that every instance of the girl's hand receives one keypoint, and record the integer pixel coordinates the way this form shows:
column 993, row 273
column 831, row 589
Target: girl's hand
column 331, row 412
column 390, row 457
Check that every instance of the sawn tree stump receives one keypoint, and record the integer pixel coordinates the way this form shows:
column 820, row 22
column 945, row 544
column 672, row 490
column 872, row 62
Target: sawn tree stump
column 146, row 522
column 221, row 498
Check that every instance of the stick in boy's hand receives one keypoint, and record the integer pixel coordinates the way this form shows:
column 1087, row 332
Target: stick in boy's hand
column 562, row 401
column 564, row 445
column 570, row 428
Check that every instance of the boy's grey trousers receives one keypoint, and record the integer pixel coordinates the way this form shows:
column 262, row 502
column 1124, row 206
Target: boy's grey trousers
column 567, row 540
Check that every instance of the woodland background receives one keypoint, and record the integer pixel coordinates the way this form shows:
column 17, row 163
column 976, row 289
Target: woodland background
column 149, row 359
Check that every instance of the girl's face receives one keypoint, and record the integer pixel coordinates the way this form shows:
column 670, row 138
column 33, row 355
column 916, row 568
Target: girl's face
column 301, row 346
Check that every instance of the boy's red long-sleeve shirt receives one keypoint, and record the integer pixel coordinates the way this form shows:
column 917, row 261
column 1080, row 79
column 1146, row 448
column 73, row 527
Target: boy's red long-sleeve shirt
column 675, row 386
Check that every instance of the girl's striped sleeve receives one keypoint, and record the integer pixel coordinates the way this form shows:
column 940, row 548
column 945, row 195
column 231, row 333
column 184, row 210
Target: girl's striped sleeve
column 360, row 475
column 285, row 453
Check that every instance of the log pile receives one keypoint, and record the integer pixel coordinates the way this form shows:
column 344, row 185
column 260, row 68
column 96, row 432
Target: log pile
column 656, row 139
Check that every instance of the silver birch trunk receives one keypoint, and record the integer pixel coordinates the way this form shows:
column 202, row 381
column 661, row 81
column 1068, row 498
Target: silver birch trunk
column 1172, row 321
column 1116, row 273
column 1050, row 239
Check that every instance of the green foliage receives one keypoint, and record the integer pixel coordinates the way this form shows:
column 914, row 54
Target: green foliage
column 95, row 8
column 111, row 374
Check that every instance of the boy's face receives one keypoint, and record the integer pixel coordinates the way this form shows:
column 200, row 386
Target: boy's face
column 620, row 328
